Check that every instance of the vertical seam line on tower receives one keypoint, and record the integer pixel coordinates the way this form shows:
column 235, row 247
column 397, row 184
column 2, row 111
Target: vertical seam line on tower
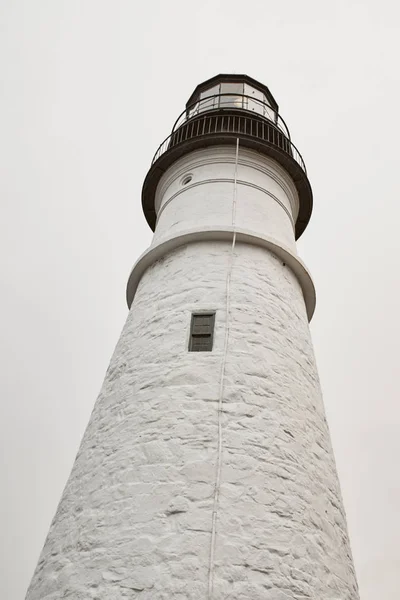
column 221, row 386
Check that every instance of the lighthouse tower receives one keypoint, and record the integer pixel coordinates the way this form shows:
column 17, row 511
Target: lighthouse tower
column 206, row 471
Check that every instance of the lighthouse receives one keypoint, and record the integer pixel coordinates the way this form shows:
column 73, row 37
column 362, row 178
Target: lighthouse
column 206, row 471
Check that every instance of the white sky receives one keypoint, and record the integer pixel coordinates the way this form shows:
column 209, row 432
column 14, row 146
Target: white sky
column 89, row 88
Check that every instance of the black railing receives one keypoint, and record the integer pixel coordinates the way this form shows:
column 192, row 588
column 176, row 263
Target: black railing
column 245, row 102
column 211, row 123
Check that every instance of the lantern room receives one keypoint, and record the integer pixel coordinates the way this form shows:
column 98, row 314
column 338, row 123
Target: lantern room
column 234, row 92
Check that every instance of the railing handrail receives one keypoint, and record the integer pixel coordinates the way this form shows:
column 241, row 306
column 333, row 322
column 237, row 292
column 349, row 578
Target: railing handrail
column 184, row 114
column 294, row 153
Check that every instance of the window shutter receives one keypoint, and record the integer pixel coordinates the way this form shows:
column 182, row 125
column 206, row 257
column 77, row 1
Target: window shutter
column 202, row 332
column 202, row 324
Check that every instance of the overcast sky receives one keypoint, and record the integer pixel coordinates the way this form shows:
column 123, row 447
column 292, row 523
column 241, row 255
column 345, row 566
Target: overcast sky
column 89, row 88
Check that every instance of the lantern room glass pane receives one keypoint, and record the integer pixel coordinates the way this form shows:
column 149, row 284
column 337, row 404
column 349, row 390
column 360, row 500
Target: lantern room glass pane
column 193, row 110
column 232, row 88
column 255, row 100
column 212, row 91
column 269, row 112
column 209, row 99
column 231, row 95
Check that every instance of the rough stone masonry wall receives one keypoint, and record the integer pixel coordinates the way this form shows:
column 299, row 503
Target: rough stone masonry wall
column 136, row 514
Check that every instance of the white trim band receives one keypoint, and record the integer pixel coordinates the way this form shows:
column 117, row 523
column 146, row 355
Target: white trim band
column 166, row 245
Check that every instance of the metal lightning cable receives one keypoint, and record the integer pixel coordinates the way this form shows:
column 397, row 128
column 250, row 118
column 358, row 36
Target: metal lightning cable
column 221, row 385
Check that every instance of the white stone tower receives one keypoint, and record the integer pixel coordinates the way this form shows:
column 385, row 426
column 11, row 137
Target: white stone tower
column 206, row 471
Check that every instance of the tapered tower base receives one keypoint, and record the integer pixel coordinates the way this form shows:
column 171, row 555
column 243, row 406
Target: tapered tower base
column 135, row 520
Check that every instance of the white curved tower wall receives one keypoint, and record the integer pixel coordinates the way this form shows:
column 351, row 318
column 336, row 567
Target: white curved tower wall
column 208, row 474
column 268, row 206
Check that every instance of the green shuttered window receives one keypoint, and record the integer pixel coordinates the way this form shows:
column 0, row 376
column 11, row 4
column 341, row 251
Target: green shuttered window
column 202, row 332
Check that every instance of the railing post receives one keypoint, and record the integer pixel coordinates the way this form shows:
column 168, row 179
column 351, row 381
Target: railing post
column 204, row 124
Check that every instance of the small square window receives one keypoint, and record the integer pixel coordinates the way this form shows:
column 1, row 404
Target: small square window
column 202, row 332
